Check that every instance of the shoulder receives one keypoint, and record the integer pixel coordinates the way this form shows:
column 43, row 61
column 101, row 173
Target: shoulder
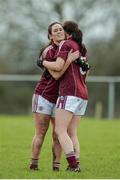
column 64, row 45
column 46, row 50
column 71, row 43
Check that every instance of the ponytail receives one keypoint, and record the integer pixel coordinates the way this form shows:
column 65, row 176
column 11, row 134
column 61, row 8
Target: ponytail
column 78, row 37
column 72, row 28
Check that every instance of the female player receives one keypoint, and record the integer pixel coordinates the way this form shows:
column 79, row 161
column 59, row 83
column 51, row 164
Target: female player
column 45, row 97
column 73, row 94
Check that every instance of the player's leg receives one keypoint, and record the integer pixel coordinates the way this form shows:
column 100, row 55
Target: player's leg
column 42, row 113
column 41, row 126
column 72, row 131
column 62, row 121
column 81, row 105
column 56, row 148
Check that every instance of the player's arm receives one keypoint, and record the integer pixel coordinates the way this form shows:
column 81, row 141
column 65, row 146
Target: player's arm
column 60, row 61
column 54, row 66
column 71, row 57
column 57, row 74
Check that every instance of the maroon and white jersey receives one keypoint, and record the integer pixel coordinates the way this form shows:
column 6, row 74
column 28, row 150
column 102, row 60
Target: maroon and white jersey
column 48, row 87
column 72, row 83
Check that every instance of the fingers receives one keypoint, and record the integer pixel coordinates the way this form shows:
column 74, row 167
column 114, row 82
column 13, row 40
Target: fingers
column 70, row 52
column 76, row 54
column 73, row 55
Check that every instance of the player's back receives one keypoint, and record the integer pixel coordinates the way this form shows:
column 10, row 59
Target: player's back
column 73, row 82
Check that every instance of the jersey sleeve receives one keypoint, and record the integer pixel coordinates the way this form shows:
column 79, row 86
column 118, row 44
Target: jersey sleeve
column 45, row 54
column 63, row 51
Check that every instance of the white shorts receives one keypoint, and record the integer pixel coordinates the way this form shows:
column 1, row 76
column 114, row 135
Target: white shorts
column 42, row 105
column 73, row 104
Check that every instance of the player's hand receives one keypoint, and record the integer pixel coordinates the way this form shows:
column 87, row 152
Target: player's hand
column 72, row 56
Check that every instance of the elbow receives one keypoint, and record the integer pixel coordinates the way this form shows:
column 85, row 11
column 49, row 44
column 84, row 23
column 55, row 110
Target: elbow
column 58, row 68
column 56, row 77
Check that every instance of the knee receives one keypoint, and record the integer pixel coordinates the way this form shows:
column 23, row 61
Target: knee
column 72, row 133
column 57, row 131
column 73, row 138
column 41, row 130
column 41, row 133
column 55, row 137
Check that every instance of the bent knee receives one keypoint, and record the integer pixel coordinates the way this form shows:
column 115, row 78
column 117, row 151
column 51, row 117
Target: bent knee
column 41, row 134
column 57, row 131
column 60, row 131
column 55, row 137
column 72, row 135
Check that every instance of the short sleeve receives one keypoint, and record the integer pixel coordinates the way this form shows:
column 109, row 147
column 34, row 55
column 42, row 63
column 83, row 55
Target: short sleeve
column 63, row 51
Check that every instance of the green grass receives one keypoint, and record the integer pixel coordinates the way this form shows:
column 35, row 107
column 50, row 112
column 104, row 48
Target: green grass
column 100, row 150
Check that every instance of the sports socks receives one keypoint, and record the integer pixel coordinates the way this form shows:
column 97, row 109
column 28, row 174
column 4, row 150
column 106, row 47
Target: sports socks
column 34, row 161
column 56, row 166
column 34, row 164
column 71, row 160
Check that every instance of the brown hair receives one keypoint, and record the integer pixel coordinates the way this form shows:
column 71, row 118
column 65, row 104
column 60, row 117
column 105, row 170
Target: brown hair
column 72, row 28
column 49, row 32
column 50, row 27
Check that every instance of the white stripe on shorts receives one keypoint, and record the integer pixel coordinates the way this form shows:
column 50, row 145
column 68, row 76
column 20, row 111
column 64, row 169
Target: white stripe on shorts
column 73, row 104
column 42, row 105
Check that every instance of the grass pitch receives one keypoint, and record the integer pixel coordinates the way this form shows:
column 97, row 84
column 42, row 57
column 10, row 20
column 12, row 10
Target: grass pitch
column 100, row 150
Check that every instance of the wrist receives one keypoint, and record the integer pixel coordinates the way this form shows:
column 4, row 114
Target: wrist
column 70, row 60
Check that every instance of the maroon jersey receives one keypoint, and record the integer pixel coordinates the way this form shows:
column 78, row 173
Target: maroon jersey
column 72, row 83
column 48, row 87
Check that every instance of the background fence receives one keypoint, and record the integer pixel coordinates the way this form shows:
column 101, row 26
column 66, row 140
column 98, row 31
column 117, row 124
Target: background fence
column 103, row 94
